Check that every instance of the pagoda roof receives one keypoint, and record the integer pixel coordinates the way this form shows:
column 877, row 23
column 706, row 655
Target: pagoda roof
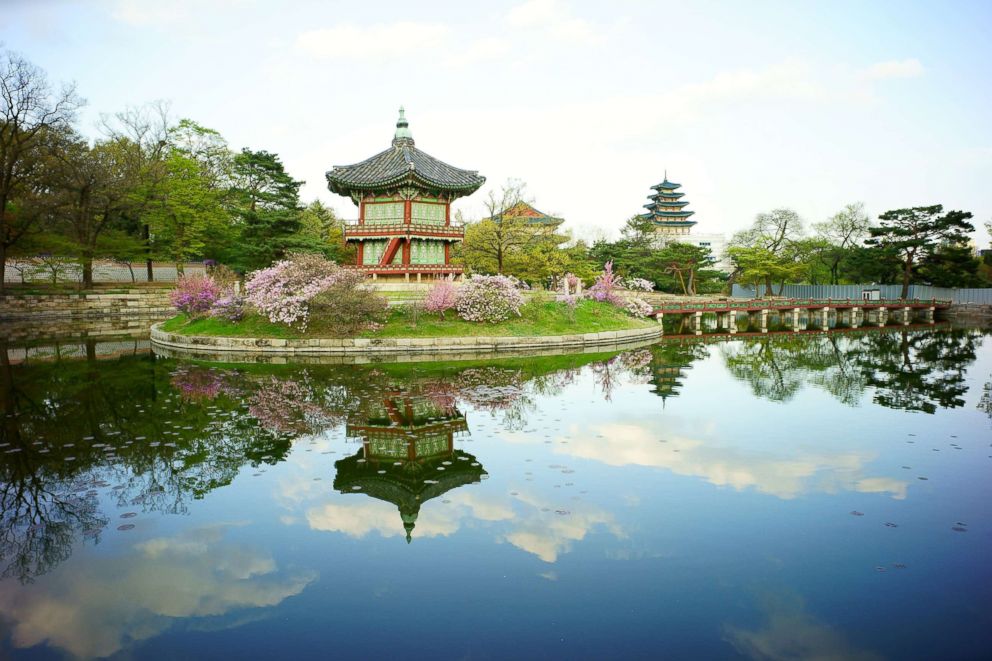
column 666, row 194
column 409, row 485
column 667, row 203
column 402, row 164
column 668, row 214
column 531, row 215
column 666, row 185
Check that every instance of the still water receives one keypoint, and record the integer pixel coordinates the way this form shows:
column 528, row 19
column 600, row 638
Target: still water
column 781, row 497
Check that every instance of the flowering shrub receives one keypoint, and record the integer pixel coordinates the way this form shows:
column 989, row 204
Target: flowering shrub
column 638, row 307
column 348, row 304
column 283, row 292
column 442, row 296
column 571, row 300
column 638, row 284
column 230, row 306
column 489, row 298
column 195, row 294
column 604, row 289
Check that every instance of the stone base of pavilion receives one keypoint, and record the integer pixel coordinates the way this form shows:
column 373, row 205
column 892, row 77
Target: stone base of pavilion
column 424, row 275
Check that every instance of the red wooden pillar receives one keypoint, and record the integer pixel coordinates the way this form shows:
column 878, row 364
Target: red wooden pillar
column 361, row 252
column 407, row 211
column 361, row 212
column 447, row 214
column 406, row 251
column 447, row 252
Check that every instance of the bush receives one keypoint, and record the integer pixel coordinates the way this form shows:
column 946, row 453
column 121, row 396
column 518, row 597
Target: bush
column 283, row 292
column 604, row 289
column 638, row 307
column 230, row 306
column 442, row 296
column 489, row 298
column 195, row 294
column 348, row 304
column 638, row 284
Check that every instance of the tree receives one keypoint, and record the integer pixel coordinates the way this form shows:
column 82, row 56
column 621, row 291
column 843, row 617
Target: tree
column 772, row 233
column 266, row 203
column 758, row 265
column 490, row 242
column 325, row 232
column 688, row 264
column 189, row 212
column 916, row 234
column 30, row 112
column 950, row 265
column 843, row 231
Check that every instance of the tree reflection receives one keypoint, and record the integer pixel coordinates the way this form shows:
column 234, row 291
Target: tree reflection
column 913, row 370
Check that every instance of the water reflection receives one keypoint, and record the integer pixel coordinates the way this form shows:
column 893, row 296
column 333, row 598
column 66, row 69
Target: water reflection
column 140, row 492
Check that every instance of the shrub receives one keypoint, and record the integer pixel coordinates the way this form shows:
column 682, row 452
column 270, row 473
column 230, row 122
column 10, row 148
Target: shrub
column 283, row 292
column 604, row 289
column 489, row 298
column 638, row 307
column 347, row 304
column 230, row 306
column 638, row 284
column 442, row 296
column 195, row 294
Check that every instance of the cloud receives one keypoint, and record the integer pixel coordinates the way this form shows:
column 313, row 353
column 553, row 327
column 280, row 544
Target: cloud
column 359, row 519
column 553, row 18
column 380, row 40
column 792, row 633
column 140, row 14
column 802, row 470
column 92, row 606
column 909, row 68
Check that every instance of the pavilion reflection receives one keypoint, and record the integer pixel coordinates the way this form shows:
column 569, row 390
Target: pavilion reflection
column 408, row 454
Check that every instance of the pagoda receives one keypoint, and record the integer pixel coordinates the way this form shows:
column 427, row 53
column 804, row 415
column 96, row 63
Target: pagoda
column 408, row 455
column 667, row 210
column 404, row 198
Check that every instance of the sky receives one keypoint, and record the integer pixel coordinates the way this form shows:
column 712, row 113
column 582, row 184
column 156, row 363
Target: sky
column 751, row 106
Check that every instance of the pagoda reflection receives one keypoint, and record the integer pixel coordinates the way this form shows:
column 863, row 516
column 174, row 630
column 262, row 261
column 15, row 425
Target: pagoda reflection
column 408, row 454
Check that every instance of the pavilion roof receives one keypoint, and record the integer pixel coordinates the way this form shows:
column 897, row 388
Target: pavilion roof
column 531, row 215
column 402, row 164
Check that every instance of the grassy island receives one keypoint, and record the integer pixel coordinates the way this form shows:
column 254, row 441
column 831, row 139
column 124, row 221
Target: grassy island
column 536, row 318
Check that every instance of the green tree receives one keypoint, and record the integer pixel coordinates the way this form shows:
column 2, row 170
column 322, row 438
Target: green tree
column 758, row 265
column 494, row 241
column 189, row 213
column 691, row 266
column 325, row 231
column 916, row 234
column 266, row 203
column 773, row 233
column 950, row 265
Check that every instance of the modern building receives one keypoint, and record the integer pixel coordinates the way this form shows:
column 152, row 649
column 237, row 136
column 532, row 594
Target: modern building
column 404, row 198
column 673, row 224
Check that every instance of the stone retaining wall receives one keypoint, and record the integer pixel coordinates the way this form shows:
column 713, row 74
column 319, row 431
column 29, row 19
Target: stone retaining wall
column 436, row 345
column 969, row 313
column 152, row 303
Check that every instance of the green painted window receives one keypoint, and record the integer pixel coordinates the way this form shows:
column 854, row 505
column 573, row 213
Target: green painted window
column 385, row 213
column 372, row 251
column 431, row 214
column 423, row 251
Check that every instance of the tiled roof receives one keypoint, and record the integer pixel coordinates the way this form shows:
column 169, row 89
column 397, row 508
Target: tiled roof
column 666, row 203
column 666, row 185
column 531, row 215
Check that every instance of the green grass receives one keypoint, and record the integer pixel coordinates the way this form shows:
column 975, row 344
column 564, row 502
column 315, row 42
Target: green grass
column 537, row 318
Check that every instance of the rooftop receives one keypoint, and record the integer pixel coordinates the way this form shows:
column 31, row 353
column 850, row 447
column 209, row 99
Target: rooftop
column 402, row 164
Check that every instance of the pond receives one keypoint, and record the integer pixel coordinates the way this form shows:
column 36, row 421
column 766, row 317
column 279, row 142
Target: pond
column 809, row 495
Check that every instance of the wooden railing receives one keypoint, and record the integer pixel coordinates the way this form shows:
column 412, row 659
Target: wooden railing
column 790, row 304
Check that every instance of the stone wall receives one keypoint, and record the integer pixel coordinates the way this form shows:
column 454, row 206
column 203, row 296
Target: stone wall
column 493, row 346
column 150, row 303
column 969, row 313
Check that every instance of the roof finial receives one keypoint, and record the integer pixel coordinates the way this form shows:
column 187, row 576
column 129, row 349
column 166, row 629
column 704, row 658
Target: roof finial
column 403, row 134
column 666, row 169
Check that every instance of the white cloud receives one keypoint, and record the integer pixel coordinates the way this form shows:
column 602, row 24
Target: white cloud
column 555, row 19
column 94, row 606
column 140, row 14
column 909, row 68
column 380, row 40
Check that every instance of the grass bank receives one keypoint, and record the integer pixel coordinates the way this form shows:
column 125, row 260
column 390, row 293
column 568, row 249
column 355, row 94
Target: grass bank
column 537, row 318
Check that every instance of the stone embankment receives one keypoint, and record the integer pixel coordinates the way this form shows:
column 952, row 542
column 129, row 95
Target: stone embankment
column 604, row 341
column 145, row 303
column 969, row 313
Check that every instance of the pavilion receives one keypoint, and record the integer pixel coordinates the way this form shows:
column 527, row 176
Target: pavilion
column 408, row 455
column 404, row 198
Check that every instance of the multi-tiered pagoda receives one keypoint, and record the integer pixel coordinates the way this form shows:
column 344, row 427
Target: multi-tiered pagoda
column 667, row 210
column 404, row 201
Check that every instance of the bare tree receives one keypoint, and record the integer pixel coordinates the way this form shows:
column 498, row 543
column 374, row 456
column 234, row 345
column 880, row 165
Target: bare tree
column 492, row 239
column 844, row 230
column 29, row 108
